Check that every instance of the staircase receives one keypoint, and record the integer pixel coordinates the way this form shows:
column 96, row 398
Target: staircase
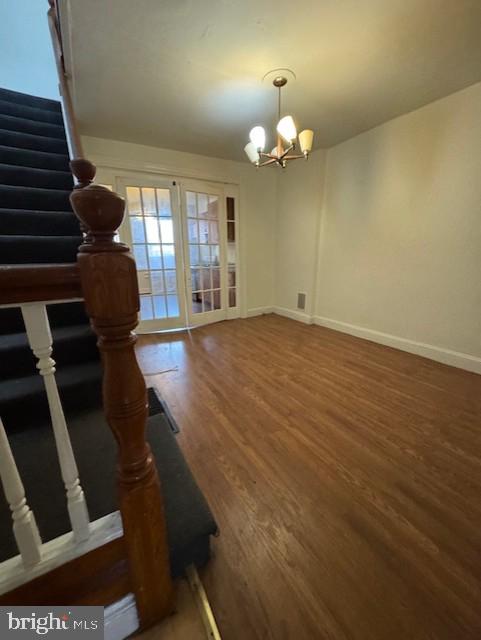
column 165, row 531
column 37, row 226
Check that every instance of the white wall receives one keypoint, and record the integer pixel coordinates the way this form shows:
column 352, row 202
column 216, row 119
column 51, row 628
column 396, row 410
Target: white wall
column 27, row 62
column 257, row 203
column 299, row 196
column 401, row 231
column 397, row 238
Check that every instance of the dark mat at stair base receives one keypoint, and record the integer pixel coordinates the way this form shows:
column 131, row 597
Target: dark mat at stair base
column 157, row 405
column 189, row 520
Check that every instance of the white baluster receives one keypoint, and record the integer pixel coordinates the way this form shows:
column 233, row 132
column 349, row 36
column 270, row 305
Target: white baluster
column 24, row 526
column 40, row 338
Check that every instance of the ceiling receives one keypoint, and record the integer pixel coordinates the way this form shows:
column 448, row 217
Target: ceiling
column 187, row 74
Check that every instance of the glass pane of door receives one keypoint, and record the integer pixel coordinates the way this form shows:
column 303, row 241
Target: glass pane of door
column 204, row 215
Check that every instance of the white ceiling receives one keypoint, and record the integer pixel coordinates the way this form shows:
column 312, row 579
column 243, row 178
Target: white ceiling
column 186, row 74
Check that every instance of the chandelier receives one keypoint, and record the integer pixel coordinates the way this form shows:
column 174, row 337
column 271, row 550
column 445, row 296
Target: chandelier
column 286, row 138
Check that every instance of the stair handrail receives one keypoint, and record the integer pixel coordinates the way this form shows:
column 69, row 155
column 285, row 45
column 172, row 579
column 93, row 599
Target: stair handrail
column 108, row 280
column 22, row 283
column 74, row 140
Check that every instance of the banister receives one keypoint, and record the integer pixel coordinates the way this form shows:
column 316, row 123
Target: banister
column 74, row 140
column 39, row 282
column 110, row 289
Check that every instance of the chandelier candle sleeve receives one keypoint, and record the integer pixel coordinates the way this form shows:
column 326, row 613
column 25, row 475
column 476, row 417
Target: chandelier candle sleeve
column 287, row 129
column 252, row 152
column 305, row 140
column 258, row 138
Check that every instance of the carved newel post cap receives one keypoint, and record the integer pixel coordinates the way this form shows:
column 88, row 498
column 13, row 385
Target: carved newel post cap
column 83, row 170
column 100, row 210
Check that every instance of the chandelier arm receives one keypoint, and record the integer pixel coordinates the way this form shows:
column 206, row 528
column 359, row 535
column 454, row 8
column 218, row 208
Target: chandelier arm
column 270, row 161
column 296, row 157
column 283, row 155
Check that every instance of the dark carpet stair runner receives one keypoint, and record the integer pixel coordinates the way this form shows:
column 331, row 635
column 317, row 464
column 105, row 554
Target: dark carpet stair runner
column 37, row 225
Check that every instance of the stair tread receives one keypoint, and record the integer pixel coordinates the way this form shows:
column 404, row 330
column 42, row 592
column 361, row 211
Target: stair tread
column 24, row 98
column 35, row 127
column 60, row 315
column 39, row 212
column 24, row 222
column 23, row 197
column 14, row 340
column 22, row 140
column 14, row 389
column 32, row 113
column 39, row 170
column 35, row 177
column 13, row 187
column 40, row 239
column 33, row 157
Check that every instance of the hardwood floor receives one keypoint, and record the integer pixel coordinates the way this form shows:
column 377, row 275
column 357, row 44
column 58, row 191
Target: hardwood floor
column 345, row 478
column 185, row 624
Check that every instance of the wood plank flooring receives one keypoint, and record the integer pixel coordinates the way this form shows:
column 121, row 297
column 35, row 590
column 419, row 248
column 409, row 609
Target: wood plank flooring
column 345, row 477
column 185, row 624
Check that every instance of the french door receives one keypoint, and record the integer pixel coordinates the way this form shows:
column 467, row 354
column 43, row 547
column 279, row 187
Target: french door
column 204, row 228
column 178, row 237
column 152, row 229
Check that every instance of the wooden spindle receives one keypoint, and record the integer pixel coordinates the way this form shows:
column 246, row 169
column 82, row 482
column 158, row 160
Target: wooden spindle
column 24, row 526
column 40, row 339
column 109, row 282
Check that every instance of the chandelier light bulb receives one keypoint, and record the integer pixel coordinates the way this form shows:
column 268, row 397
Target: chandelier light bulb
column 252, row 152
column 305, row 140
column 258, row 138
column 287, row 128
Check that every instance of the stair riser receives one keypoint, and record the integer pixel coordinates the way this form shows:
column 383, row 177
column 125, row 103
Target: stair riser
column 19, row 361
column 29, row 141
column 38, row 250
column 40, row 199
column 12, row 123
column 35, row 159
column 21, row 222
column 30, row 101
column 27, row 177
column 30, row 113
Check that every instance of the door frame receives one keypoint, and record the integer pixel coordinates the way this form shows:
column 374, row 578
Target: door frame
column 111, row 168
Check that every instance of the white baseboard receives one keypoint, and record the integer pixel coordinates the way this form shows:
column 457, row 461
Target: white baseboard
column 300, row 316
column 258, row 311
column 446, row 356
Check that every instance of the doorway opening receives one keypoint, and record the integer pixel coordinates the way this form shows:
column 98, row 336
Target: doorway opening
column 183, row 236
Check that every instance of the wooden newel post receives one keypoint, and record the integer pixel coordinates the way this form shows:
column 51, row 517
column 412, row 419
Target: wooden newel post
column 109, row 282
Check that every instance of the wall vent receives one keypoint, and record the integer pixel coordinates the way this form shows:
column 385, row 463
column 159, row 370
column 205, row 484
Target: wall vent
column 301, row 301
